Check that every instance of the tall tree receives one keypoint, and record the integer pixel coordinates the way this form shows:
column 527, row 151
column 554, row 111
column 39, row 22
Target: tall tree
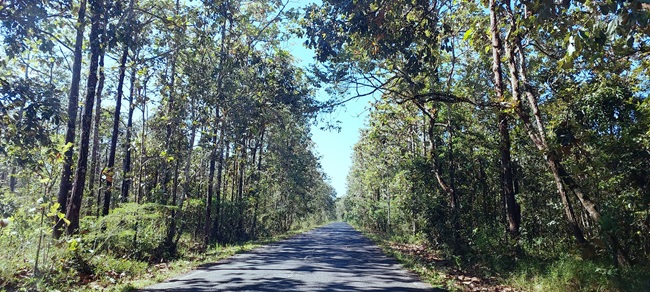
column 94, row 154
column 109, row 171
column 78, row 188
column 126, row 164
column 512, row 209
column 73, row 103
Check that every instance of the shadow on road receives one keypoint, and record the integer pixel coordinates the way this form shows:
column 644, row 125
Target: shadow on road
column 332, row 258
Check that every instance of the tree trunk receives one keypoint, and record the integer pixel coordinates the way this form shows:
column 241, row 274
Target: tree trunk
column 448, row 188
column 73, row 104
column 455, row 203
column 94, row 155
column 143, row 138
column 12, row 179
column 561, row 176
column 126, row 164
column 513, row 213
column 233, row 175
column 240, row 189
column 186, row 186
column 257, row 174
column 173, row 222
column 208, row 200
column 109, row 171
column 217, row 215
column 170, row 145
column 74, row 206
column 538, row 139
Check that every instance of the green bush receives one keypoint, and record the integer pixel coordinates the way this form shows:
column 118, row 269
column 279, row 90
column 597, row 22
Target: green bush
column 132, row 231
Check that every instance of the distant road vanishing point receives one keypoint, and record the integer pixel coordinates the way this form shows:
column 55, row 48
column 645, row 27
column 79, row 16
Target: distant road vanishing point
column 331, row 258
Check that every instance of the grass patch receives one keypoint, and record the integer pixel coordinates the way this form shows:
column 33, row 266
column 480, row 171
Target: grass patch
column 574, row 274
column 505, row 270
column 66, row 270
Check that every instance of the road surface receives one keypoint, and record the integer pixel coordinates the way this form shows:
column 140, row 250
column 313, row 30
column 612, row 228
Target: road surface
column 331, row 258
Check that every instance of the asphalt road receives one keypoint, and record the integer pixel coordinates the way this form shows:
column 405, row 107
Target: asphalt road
column 331, row 258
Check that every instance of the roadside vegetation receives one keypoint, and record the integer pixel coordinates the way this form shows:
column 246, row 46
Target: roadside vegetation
column 509, row 139
column 80, row 268
column 568, row 272
column 140, row 138
column 507, row 144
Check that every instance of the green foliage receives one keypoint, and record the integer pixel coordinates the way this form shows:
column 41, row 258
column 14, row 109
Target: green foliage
column 28, row 111
column 211, row 84
column 222, row 150
column 429, row 158
column 131, row 231
column 573, row 274
column 110, row 267
column 21, row 21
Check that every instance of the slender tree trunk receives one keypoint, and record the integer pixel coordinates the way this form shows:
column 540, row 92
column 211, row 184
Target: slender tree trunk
column 208, row 200
column 240, row 189
column 126, row 164
column 170, row 146
column 214, row 234
column 233, row 176
column 561, row 176
column 73, row 104
column 186, row 185
column 217, row 215
column 455, row 203
column 171, row 232
column 74, row 206
column 513, row 214
column 217, row 150
column 94, row 155
column 448, row 188
column 485, row 193
column 12, row 179
column 388, row 199
column 242, row 170
column 109, row 171
column 538, row 139
column 257, row 174
column 143, row 138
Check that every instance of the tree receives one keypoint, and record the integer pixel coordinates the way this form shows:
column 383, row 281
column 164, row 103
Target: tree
column 109, row 171
column 73, row 100
column 507, row 184
column 74, row 206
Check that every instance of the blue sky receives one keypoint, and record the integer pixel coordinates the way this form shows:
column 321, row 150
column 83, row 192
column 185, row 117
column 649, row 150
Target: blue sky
column 334, row 147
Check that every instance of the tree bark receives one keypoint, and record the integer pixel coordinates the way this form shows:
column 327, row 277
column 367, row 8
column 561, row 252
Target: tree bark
column 561, row 176
column 219, row 192
column 447, row 187
column 537, row 136
column 126, row 163
column 240, row 189
column 210, row 191
column 74, row 206
column 513, row 213
column 94, row 155
column 109, row 171
column 12, row 179
column 73, row 104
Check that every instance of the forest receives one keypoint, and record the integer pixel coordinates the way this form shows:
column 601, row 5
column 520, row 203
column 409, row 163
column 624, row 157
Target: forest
column 509, row 138
column 513, row 136
column 137, row 132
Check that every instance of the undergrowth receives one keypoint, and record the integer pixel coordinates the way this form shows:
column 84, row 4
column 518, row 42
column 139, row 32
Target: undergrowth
column 106, row 255
column 502, row 268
